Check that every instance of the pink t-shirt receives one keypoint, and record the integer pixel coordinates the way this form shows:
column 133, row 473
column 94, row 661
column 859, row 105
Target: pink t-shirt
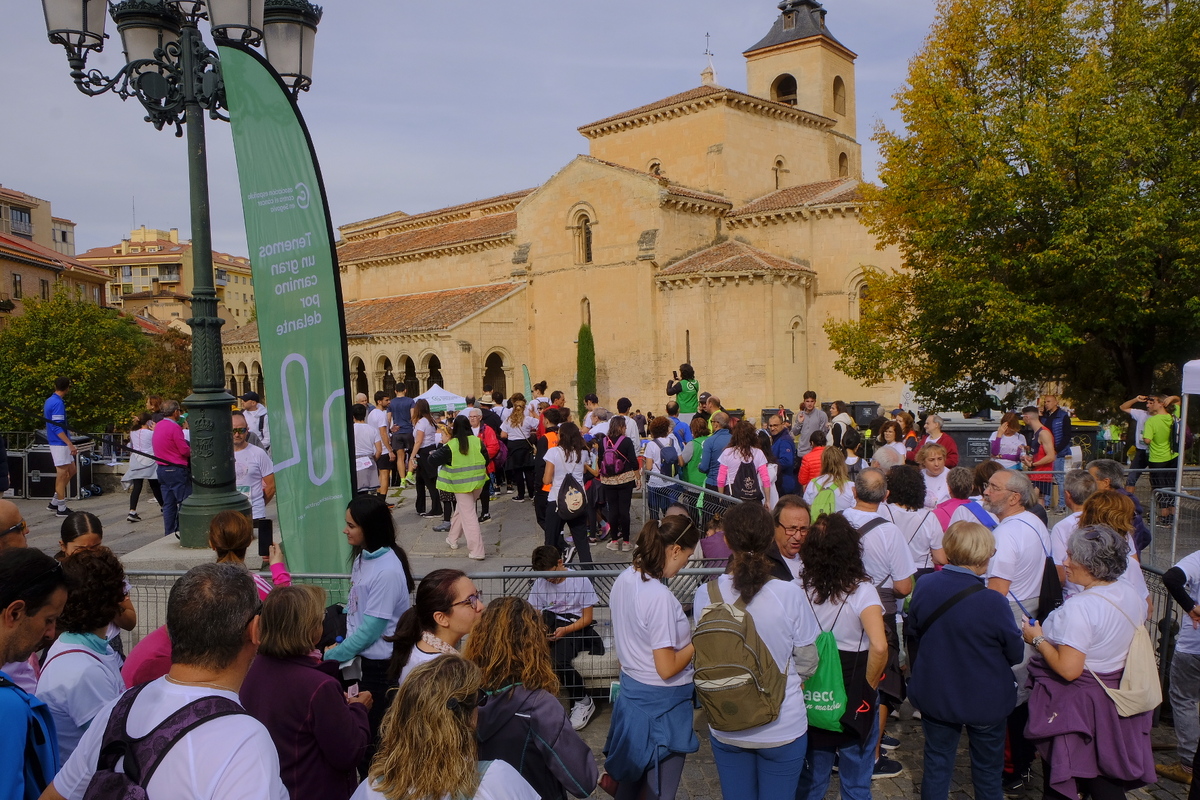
column 169, row 445
column 149, row 659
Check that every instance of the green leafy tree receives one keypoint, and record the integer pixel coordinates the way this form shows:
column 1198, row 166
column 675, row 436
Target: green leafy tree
column 585, row 365
column 1044, row 196
column 166, row 367
column 95, row 347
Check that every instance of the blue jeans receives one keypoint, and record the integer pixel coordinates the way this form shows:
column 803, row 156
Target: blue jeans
column 769, row 773
column 987, row 758
column 1060, row 477
column 856, row 764
column 176, row 487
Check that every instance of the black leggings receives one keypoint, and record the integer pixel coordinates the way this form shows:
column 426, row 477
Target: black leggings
column 136, row 492
column 427, row 483
column 578, row 527
column 617, row 499
column 1098, row 788
column 374, row 680
column 522, row 477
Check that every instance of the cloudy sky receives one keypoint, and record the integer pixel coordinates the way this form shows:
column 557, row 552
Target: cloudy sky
column 415, row 105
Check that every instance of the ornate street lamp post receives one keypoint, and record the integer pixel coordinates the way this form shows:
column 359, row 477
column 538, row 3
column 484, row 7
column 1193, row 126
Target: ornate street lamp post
column 174, row 75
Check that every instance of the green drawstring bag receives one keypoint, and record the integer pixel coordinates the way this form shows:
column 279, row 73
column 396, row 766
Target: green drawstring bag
column 825, row 690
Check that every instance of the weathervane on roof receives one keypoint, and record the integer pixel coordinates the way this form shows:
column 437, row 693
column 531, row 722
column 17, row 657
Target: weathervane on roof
column 709, row 76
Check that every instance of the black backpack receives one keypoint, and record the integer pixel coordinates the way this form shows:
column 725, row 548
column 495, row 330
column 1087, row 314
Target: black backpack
column 745, row 485
column 572, row 499
column 142, row 756
column 668, row 459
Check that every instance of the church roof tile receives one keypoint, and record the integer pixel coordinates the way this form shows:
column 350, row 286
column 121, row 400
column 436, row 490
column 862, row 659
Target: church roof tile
column 841, row 191
column 732, row 257
column 494, row 226
column 709, row 94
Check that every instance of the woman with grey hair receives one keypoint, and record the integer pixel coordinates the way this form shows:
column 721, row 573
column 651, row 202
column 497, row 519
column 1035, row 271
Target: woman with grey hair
column 935, row 435
column 1089, row 749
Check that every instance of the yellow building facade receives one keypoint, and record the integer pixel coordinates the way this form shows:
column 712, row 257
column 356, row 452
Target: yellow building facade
column 716, row 227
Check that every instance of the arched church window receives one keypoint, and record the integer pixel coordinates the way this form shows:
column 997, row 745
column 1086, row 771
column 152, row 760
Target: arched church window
column 839, row 96
column 843, row 166
column 583, row 239
column 585, row 312
column 655, row 167
column 783, row 90
column 780, row 169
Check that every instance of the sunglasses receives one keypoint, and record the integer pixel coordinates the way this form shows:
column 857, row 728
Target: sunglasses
column 20, row 527
column 240, row 430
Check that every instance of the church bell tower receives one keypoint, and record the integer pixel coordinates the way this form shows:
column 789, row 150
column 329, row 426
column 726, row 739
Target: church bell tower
column 800, row 63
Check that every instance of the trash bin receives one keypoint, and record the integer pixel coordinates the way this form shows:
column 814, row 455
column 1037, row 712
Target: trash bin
column 973, row 437
column 40, row 473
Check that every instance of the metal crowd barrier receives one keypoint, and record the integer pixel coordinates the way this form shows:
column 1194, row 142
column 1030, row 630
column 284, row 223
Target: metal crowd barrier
column 702, row 504
column 1171, row 541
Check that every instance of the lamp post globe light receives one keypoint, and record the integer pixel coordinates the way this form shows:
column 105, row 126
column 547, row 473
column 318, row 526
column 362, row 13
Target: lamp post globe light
column 177, row 79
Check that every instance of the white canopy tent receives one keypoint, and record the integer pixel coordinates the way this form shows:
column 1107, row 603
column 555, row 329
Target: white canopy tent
column 441, row 400
column 1191, row 385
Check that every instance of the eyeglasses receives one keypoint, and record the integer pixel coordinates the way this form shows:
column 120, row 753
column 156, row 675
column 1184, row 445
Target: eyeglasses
column 996, row 488
column 240, row 430
column 20, row 527
column 794, row 530
column 473, row 600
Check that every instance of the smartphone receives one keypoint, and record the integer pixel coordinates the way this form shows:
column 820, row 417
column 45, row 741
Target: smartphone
column 352, row 690
column 675, row 374
column 266, row 536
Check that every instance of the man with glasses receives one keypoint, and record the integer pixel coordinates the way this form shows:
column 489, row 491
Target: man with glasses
column 1015, row 571
column 792, row 519
column 33, row 592
column 254, row 476
column 212, row 619
column 13, row 530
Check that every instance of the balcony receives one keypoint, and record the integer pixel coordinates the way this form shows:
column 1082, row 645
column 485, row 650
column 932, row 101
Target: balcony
column 222, row 277
column 168, row 276
column 21, row 228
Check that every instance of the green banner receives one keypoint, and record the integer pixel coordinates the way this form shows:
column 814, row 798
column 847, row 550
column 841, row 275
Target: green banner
column 298, row 300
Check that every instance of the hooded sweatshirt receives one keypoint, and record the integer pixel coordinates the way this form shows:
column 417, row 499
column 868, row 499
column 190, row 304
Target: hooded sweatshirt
column 530, row 731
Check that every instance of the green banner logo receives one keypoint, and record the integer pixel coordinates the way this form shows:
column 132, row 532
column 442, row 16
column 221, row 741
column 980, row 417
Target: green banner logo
column 298, row 301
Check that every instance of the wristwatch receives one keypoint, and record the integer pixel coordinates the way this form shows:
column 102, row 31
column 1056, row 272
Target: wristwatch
column 1037, row 640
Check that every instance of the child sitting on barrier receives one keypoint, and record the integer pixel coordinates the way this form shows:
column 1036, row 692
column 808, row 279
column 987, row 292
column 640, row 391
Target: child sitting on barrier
column 566, row 606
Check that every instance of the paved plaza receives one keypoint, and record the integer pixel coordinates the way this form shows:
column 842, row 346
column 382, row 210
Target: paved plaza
column 510, row 536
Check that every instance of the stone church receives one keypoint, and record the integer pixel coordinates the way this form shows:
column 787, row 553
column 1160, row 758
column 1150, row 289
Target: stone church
column 715, row 226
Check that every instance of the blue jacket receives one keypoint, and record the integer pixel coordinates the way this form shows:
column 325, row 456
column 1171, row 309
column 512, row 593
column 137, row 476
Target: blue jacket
column 713, row 447
column 649, row 723
column 682, row 431
column 963, row 671
column 25, row 716
column 784, row 449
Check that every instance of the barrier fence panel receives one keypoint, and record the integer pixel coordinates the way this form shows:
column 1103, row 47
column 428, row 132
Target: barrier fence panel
column 596, row 666
column 702, row 504
column 1178, row 535
column 1163, row 625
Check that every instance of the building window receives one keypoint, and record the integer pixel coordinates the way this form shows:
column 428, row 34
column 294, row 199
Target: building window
column 22, row 221
column 17, row 292
column 583, row 239
column 585, row 312
column 45, row 289
column 126, row 272
column 126, row 288
column 839, row 96
column 96, row 295
column 64, row 236
column 145, row 272
column 655, row 167
column 783, row 90
column 843, row 166
column 780, row 169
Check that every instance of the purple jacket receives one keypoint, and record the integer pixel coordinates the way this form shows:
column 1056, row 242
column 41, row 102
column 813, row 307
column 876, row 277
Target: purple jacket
column 1076, row 728
column 320, row 737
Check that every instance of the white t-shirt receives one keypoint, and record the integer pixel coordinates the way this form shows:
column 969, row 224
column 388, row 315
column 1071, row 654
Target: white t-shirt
column 784, row 620
column 431, row 433
column 566, row 599
column 794, row 564
column 377, row 418
column 885, row 552
column 845, row 618
column 900, row 449
column 1061, row 533
column 1010, row 446
column 844, row 497
column 250, row 465
column 378, row 588
column 1189, row 635
column 922, row 532
column 1139, row 418
column 258, row 422
column 500, row 782
column 365, row 438
column 936, row 488
column 599, row 429
column 415, row 659
column 517, row 429
column 1022, row 544
column 75, row 686
column 652, row 454
column 1093, row 626
column 227, row 758
column 647, row 617
column 558, row 457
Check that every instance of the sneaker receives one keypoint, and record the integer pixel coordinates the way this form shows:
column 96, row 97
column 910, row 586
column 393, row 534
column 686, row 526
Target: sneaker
column 444, row 527
column 889, row 742
column 62, row 512
column 428, row 514
column 582, row 713
column 1016, row 784
column 51, row 506
column 132, row 516
column 453, row 545
column 613, row 545
column 1176, row 772
column 887, row 768
column 518, row 499
column 485, row 517
column 626, row 547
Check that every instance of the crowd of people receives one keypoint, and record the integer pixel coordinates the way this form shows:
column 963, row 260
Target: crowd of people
column 852, row 582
